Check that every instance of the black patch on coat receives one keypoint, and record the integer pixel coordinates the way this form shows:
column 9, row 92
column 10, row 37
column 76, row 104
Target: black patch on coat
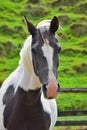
column 8, row 94
column 25, row 112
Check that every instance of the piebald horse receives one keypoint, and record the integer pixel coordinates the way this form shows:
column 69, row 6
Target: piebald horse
column 27, row 96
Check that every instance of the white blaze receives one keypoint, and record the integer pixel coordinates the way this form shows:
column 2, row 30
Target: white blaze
column 48, row 54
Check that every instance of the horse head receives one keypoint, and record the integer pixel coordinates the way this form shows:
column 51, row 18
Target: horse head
column 45, row 51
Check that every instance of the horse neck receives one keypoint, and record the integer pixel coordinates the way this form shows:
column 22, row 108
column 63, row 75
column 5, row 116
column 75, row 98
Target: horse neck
column 29, row 79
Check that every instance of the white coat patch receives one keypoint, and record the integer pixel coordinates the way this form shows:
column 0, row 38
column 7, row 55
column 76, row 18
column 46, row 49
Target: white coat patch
column 48, row 53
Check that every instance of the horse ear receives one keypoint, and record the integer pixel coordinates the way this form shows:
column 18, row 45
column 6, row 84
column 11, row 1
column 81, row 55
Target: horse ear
column 54, row 25
column 31, row 28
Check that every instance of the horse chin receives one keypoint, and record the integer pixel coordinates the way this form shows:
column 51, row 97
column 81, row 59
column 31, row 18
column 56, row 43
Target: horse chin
column 49, row 98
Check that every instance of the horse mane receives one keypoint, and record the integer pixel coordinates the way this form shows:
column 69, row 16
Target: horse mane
column 44, row 23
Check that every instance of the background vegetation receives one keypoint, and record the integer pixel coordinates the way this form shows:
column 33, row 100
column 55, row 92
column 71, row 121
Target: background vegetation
column 72, row 15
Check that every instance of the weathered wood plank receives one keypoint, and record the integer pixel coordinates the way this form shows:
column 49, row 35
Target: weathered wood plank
column 72, row 113
column 73, row 90
column 71, row 123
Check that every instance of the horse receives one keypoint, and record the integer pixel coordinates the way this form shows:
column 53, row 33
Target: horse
column 27, row 96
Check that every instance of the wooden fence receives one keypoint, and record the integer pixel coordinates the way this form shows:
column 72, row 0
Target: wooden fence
column 72, row 113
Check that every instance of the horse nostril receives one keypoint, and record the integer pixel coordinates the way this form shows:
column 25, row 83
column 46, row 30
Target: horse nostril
column 44, row 89
column 58, row 87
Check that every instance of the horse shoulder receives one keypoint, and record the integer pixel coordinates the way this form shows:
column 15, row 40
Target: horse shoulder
column 7, row 91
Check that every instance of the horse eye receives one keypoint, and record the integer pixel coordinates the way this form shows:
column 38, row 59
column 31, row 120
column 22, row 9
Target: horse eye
column 59, row 50
column 56, row 40
column 33, row 50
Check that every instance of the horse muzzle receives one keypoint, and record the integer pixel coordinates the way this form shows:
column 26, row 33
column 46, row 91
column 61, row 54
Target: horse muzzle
column 51, row 89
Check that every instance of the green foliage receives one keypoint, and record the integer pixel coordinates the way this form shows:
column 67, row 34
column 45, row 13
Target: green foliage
column 79, row 29
column 72, row 15
column 33, row 1
column 65, row 2
column 72, row 101
column 34, row 11
column 81, row 8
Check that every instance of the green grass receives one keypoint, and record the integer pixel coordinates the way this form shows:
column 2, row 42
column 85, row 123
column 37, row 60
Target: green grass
column 7, row 66
column 72, row 101
column 71, row 118
column 71, row 128
column 73, row 58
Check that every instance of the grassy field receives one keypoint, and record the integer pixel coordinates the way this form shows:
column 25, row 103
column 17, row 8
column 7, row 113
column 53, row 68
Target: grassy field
column 72, row 15
column 71, row 128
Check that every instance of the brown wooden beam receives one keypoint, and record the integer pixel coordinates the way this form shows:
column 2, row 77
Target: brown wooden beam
column 71, row 123
column 73, row 90
column 73, row 113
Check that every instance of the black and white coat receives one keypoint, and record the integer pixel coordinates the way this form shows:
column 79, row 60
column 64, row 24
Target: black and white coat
column 21, row 90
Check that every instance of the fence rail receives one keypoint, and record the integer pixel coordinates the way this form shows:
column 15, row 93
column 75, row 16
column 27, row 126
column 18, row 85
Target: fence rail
column 72, row 113
column 72, row 123
column 73, row 90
